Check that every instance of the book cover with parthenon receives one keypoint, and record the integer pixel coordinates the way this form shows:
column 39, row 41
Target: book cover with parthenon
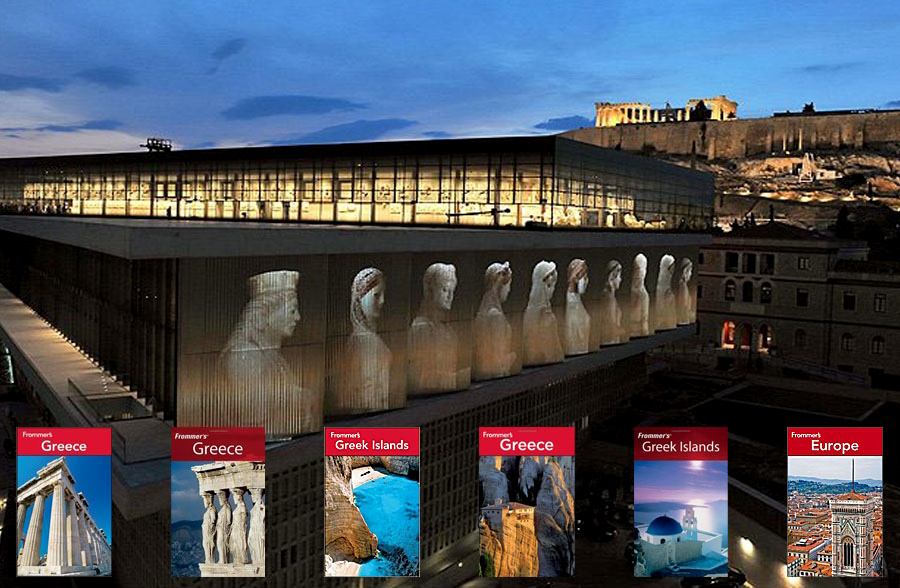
column 63, row 502
column 218, row 502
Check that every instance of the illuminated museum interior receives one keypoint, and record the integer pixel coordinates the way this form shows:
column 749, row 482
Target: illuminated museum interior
column 492, row 181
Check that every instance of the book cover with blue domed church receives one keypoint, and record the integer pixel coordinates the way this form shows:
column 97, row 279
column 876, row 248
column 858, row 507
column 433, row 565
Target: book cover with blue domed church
column 680, row 502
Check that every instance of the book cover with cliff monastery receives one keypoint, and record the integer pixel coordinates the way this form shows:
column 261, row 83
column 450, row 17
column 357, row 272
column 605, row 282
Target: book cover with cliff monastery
column 527, row 522
column 680, row 502
column 218, row 502
column 372, row 501
column 834, row 502
column 63, row 502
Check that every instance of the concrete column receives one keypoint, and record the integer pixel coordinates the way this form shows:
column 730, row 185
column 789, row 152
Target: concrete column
column 56, row 543
column 31, row 553
column 20, row 523
column 73, row 540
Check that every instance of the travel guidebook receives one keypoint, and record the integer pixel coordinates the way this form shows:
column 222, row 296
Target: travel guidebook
column 527, row 482
column 680, row 502
column 834, row 502
column 218, row 502
column 63, row 502
column 372, row 501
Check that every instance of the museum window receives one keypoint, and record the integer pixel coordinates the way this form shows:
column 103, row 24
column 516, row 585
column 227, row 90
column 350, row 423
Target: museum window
column 803, row 263
column 749, row 263
column 880, row 303
column 765, row 293
column 732, row 260
column 802, row 297
column 747, row 291
column 767, row 264
column 800, row 338
column 848, row 343
column 877, row 345
column 849, row 300
column 730, row 290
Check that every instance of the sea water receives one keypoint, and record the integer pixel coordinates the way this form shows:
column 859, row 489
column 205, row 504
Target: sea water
column 390, row 506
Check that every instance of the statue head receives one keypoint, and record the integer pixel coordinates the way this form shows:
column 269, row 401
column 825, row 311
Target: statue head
column 613, row 275
column 223, row 497
column 498, row 278
column 366, row 298
column 666, row 272
column 439, row 285
column 272, row 311
column 687, row 269
column 208, row 500
column 543, row 283
column 578, row 276
column 640, row 270
column 256, row 494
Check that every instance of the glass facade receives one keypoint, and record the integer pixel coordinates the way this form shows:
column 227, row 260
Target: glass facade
column 498, row 181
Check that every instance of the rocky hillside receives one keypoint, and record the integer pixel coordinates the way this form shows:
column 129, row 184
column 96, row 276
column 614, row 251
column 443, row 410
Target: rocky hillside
column 347, row 537
column 511, row 551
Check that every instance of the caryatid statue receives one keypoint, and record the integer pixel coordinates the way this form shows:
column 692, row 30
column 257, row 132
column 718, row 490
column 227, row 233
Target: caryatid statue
column 610, row 313
column 684, row 299
column 265, row 391
column 665, row 298
column 432, row 342
column 640, row 299
column 540, row 334
column 209, row 529
column 494, row 356
column 364, row 381
column 237, row 541
column 578, row 321
column 223, row 527
column 257, row 539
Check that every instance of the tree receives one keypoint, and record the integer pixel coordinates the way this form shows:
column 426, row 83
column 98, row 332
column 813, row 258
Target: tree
column 844, row 228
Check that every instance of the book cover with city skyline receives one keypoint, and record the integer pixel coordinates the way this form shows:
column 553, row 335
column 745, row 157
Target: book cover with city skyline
column 835, row 502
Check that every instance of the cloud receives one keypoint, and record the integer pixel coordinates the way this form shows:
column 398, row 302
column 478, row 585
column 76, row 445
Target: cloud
column 437, row 134
column 13, row 136
column 91, row 125
column 11, row 83
column 111, row 77
column 261, row 106
column 227, row 49
column 892, row 104
column 360, row 130
column 565, row 123
column 824, row 68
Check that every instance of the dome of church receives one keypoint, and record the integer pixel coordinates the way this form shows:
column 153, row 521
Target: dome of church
column 664, row 525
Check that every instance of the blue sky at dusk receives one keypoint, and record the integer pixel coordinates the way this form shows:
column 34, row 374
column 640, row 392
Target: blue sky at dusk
column 92, row 478
column 688, row 482
column 103, row 75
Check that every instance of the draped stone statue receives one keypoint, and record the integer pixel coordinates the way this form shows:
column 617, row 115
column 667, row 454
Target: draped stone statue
column 237, row 542
column 364, row 381
column 540, row 334
column 258, row 376
column 494, row 356
column 665, row 297
column 640, row 299
column 610, row 313
column 578, row 321
column 209, row 529
column 433, row 345
column 223, row 527
column 684, row 299
column 257, row 538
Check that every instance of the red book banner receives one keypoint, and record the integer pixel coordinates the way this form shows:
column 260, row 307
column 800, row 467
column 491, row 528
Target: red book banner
column 64, row 441
column 831, row 441
column 526, row 441
column 372, row 441
column 680, row 443
column 218, row 444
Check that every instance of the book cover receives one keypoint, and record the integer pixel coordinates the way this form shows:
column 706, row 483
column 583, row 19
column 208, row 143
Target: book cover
column 372, row 501
column 527, row 481
column 834, row 502
column 63, row 502
column 218, row 502
column 680, row 502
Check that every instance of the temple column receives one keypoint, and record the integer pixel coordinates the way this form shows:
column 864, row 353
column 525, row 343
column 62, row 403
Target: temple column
column 31, row 553
column 87, row 546
column 83, row 557
column 21, row 511
column 73, row 541
column 56, row 543
column 95, row 548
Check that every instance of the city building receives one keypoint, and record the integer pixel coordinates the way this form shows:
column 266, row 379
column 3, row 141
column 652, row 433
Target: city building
column 625, row 113
column 853, row 534
column 800, row 301
column 137, row 318
column 494, row 513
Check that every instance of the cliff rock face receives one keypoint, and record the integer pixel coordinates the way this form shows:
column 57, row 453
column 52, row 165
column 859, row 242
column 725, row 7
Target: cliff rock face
column 347, row 537
column 554, row 523
column 531, row 468
column 401, row 465
column 511, row 550
column 493, row 481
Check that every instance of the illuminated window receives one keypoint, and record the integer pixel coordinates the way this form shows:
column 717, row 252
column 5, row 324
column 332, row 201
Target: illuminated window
column 730, row 290
column 848, row 343
column 765, row 293
column 877, row 345
column 728, row 335
column 803, row 263
column 880, row 304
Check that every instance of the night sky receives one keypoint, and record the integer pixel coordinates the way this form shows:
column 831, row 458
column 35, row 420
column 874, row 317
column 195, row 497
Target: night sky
column 102, row 75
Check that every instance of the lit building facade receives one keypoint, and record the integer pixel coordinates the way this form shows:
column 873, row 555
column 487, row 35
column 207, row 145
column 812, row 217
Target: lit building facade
column 624, row 113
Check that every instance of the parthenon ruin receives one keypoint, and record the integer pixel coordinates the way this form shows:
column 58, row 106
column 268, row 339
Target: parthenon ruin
column 76, row 545
column 225, row 532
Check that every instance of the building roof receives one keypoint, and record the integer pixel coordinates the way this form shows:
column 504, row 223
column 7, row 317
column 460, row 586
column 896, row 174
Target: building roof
column 774, row 230
column 867, row 266
column 852, row 496
column 823, row 569
column 664, row 525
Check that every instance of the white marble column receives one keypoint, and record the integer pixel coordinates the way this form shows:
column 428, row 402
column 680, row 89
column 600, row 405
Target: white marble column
column 73, row 541
column 88, row 547
column 56, row 543
column 95, row 548
column 31, row 553
column 20, row 523
column 84, row 549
